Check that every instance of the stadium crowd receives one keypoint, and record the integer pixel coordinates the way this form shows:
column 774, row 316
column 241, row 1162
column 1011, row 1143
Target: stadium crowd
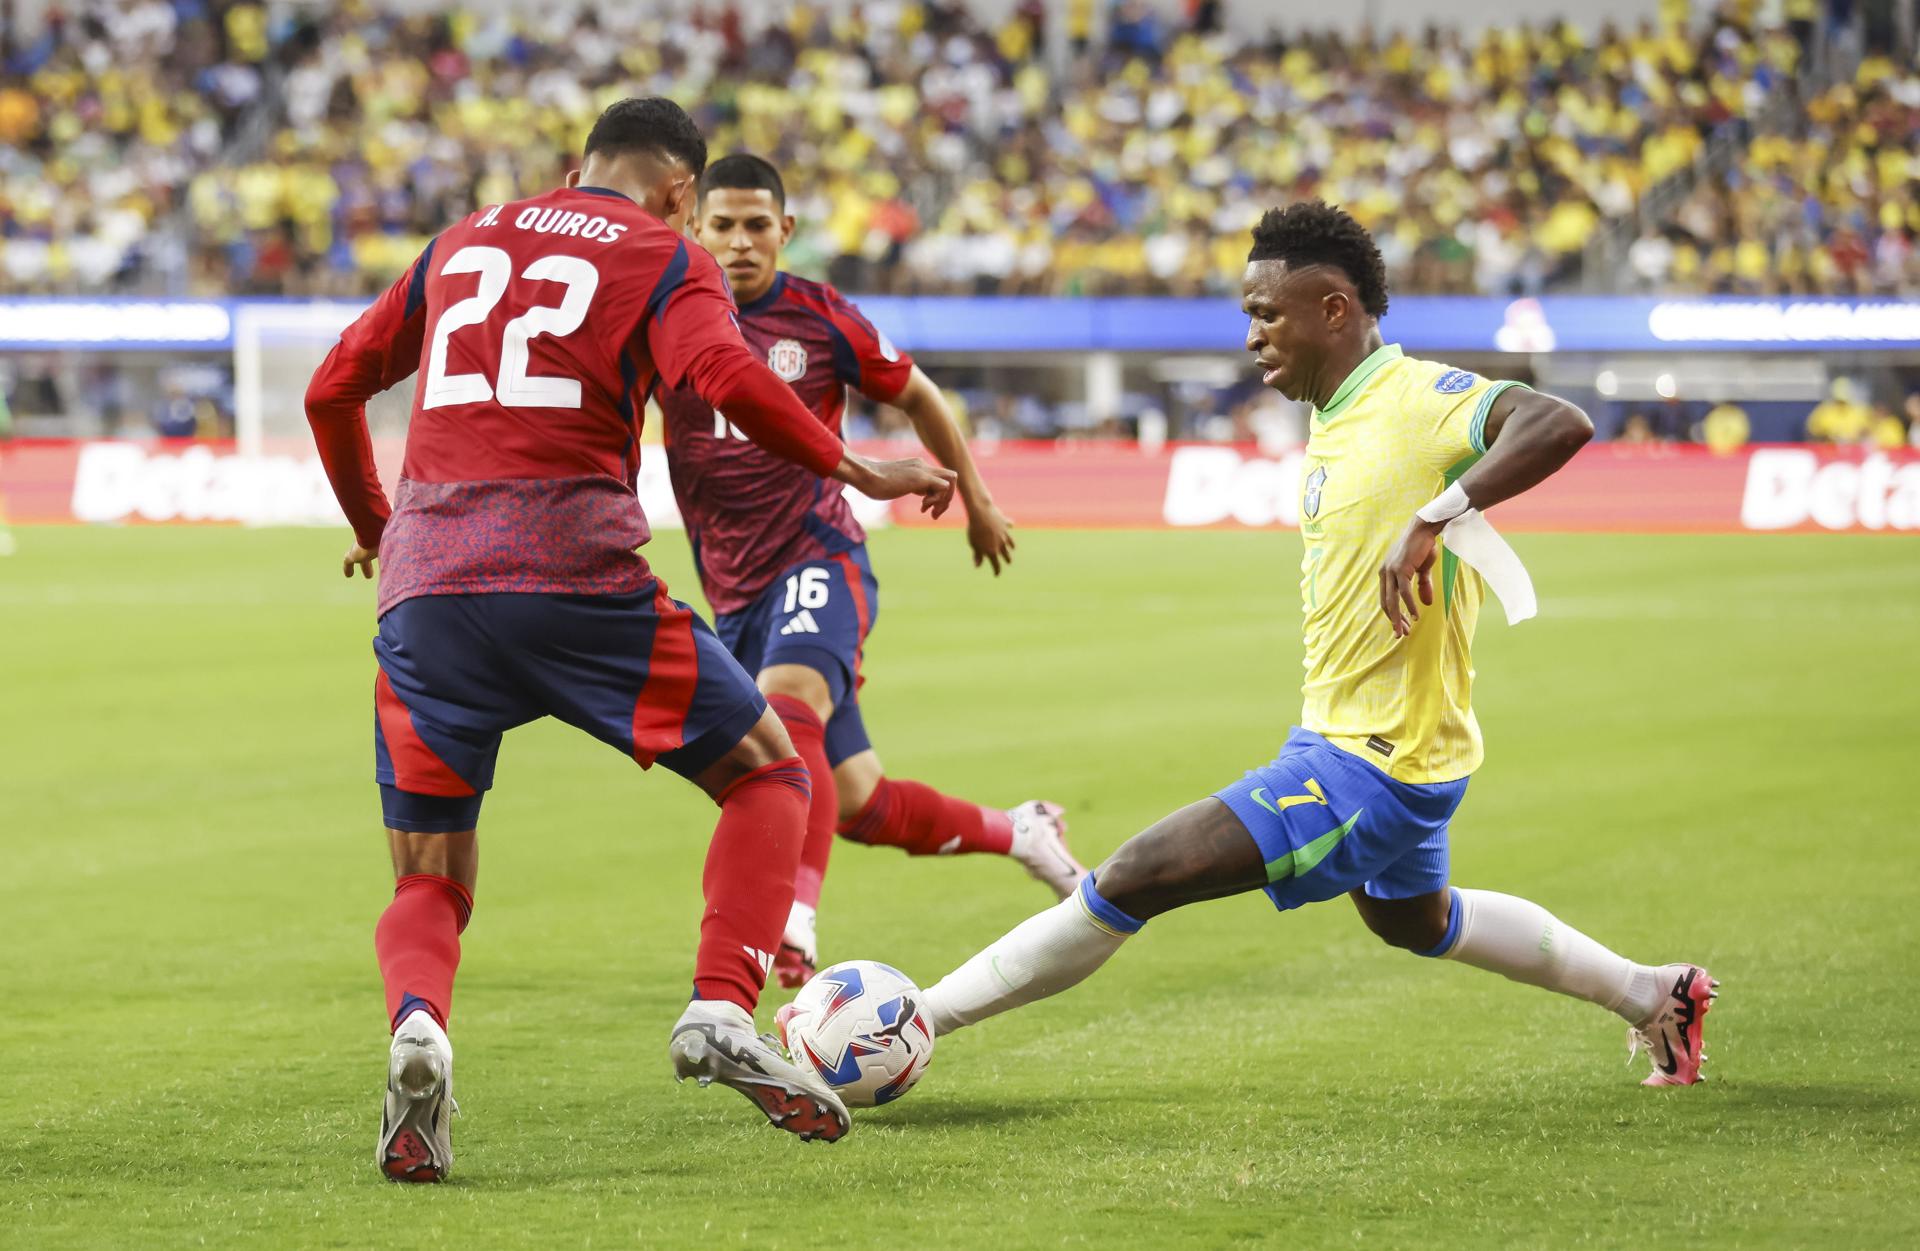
column 215, row 146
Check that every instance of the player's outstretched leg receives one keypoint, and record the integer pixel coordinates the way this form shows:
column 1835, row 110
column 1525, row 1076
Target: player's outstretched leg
column 1200, row 852
column 1664, row 1006
column 762, row 789
column 921, row 821
column 418, row 942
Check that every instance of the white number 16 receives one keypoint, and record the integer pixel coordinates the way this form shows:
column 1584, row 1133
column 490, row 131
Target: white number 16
column 807, row 589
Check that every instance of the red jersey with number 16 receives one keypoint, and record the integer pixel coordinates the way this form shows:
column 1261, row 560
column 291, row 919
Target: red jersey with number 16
column 538, row 328
column 750, row 514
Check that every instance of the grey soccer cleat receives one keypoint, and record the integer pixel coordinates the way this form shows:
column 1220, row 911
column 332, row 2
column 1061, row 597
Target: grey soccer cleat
column 416, row 1132
column 715, row 1042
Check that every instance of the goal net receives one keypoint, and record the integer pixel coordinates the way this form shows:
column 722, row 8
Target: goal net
column 277, row 346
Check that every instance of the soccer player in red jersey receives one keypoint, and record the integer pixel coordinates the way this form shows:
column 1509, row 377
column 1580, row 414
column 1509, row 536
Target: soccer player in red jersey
column 784, row 562
column 510, row 587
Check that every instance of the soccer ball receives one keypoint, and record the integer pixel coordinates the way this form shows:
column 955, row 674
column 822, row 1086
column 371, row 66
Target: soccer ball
column 859, row 1025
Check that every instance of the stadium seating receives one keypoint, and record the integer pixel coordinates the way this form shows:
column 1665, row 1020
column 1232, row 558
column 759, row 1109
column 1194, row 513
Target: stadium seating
column 930, row 153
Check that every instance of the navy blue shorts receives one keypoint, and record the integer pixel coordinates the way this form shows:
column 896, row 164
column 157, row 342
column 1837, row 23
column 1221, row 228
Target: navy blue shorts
column 818, row 614
column 1328, row 822
column 641, row 673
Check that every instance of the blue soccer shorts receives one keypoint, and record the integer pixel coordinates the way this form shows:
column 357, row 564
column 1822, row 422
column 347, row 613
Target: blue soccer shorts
column 1327, row 822
column 816, row 613
column 640, row 672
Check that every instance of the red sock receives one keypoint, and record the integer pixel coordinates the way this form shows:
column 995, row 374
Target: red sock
column 418, row 941
column 749, row 881
column 922, row 822
column 809, row 737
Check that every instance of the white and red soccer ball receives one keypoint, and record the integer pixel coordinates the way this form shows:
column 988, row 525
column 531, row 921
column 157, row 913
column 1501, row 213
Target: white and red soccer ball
column 859, row 1024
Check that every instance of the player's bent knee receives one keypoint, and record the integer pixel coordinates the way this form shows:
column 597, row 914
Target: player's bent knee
column 798, row 682
column 1198, row 853
column 1144, row 877
column 764, row 744
column 1418, row 925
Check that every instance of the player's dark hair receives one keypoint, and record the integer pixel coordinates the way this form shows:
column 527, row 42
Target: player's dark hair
column 1313, row 232
column 652, row 124
column 743, row 171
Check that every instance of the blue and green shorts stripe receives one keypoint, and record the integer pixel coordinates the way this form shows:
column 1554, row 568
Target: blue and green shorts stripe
column 1327, row 822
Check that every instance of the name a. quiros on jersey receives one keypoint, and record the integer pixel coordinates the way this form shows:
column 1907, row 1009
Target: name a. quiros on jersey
column 558, row 221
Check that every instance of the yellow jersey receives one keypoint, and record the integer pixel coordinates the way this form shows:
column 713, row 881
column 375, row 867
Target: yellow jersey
column 1392, row 437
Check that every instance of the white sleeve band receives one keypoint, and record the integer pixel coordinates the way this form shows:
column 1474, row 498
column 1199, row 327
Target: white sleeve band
column 1445, row 506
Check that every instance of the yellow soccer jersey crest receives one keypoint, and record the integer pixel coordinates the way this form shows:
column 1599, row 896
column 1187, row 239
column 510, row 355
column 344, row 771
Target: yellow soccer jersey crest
column 1394, row 434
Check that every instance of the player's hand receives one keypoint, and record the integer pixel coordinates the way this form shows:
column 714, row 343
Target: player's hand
column 892, row 479
column 1409, row 562
column 990, row 535
column 360, row 558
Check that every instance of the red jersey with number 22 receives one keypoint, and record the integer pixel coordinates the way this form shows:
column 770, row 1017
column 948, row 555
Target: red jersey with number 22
column 538, row 328
column 750, row 514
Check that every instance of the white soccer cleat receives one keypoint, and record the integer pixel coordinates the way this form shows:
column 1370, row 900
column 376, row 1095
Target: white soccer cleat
column 1674, row 1035
column 416, row 1132
column 1040, row 843
column 799, row 955
column 714, row 1042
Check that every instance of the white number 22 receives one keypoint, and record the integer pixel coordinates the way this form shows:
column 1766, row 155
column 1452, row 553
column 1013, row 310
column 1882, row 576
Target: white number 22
column 514, row 386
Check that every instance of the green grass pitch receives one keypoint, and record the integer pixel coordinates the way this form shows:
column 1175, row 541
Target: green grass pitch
column 1704, row 748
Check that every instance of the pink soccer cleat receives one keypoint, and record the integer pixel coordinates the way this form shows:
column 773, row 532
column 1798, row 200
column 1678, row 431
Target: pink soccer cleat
column 1040, row 845
column 1674, row 1034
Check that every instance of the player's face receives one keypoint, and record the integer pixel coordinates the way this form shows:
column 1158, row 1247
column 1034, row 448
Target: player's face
column 1288, row 325
column 745, row 230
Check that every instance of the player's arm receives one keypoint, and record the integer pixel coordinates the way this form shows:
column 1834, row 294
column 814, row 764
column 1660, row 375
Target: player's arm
column 693, row 339
column 989, row 532
column 380, row 348
column 766, row 410
column 1528, row 437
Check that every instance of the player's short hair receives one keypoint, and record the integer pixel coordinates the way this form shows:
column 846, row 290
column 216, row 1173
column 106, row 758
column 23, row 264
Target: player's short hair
column 743, row 171
column 1313, row 232
column 652, row 124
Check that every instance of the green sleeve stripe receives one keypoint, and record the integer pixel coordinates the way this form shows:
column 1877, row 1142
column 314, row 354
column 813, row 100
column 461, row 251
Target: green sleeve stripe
column 1477, row 429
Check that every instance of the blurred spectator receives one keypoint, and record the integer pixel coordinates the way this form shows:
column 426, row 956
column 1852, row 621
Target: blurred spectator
column 1673, row 420
column 103, row 119
column 930, row 151
column 1637, row 428
column 1725, row 428
column 173, row 415
column 1839, row 418
column 1887, row 431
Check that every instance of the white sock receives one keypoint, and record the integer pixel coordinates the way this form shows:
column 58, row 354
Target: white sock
column 721, row 1012
column 1043, row 955
column 1519, row 939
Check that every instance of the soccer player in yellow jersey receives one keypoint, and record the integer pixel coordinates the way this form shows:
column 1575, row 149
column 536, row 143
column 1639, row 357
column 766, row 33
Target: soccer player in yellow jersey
column 1359, row 800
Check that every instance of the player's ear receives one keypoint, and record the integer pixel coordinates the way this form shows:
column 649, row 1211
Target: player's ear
column 1335, row 306
column 573, row 178
column 786, row 229
column 680, row 198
